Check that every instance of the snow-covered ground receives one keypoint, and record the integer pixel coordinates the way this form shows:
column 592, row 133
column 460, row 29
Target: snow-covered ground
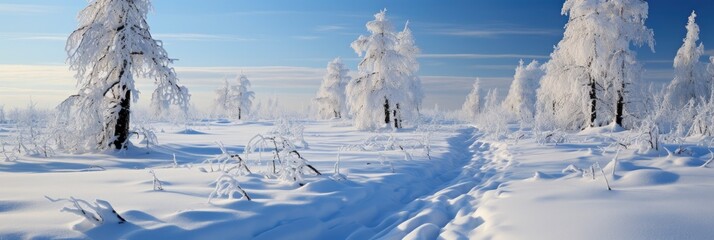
column 466, row 187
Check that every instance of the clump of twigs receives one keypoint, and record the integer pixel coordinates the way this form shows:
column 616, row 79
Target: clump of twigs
column 226, row 187
column 98, row 213
column 226, row 162
column 158, row 186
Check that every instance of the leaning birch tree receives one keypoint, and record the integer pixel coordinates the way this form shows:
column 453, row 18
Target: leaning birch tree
column 110, row 48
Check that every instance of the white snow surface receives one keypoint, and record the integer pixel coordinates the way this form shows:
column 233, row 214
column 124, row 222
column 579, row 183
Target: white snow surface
column 469, row 188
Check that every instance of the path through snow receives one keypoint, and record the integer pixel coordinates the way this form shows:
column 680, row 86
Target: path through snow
column 449, row 212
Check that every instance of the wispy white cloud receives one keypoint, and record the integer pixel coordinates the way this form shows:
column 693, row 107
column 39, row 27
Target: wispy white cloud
column 667, row 61
column 659, row 77
column 306, row 37
column 202, row 37
column 24, row 8
column 493, row 67
column 33, row 36
column 329, row 28
column 497, row 32
column 481, row 56
column 293, row 86
column 709, row 52
column 449, row 92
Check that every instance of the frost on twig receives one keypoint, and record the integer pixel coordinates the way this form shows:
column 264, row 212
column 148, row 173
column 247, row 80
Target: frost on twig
column 226, row 187
column 98, row 213
column 227, row 162
column 156, row 182
column 295, row 166
column 148, row 134
column 706, row 164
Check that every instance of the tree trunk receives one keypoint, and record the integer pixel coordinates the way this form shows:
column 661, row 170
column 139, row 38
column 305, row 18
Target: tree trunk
column 239, row 113
column 620, row 111
column 620, row 108
column 386, row 111
column 121, row 130
column 593, row 103
column 397, row 117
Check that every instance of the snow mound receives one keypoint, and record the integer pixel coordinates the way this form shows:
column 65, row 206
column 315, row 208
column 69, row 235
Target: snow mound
column 687, row 162
column 612, row 128
column 190, row 132
column 647, row 177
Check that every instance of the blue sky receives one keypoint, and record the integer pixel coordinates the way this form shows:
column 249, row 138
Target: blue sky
column 284, row 45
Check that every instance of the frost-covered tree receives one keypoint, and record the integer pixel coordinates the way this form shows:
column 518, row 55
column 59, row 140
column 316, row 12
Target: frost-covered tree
column 521, row 98
column 244, row 96
column 472, row 105
column 592, row 68
column 234, row 100
column 491, row 100
column 223, row 102
column 110, row 48
column 406, row 46
column 691, row 80
column 385, row 91
column 331, row 100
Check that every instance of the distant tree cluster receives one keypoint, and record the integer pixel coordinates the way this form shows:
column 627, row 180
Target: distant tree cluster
column 593, row 77
column 331, row 100
column 234, row 100
column 387, row 91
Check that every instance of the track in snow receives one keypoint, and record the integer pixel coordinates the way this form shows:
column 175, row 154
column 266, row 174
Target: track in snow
column 448, row 212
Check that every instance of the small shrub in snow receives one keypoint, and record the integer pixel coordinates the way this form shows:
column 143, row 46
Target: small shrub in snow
column 287, row 163
column 226, row 187
column 551, row 137
column 97, row 213
column 9, row 153
column 647, row 136
column 32, row 135
column 148, row 134
column 156, row 182
column 294, row 167
column 226, row 162
column 277, row 145
column 573, row 169
column 292, row 131
column 337, row 176
column 711, row 156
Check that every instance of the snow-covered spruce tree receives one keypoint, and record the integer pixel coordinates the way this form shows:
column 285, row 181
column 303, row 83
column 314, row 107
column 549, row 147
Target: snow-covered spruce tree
column 112, row 46
column 592, row 68
column 331, row 100
column 406, row 46
column 521, row 98
column 690, row 75
column 384, row 92
column 472, row 105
